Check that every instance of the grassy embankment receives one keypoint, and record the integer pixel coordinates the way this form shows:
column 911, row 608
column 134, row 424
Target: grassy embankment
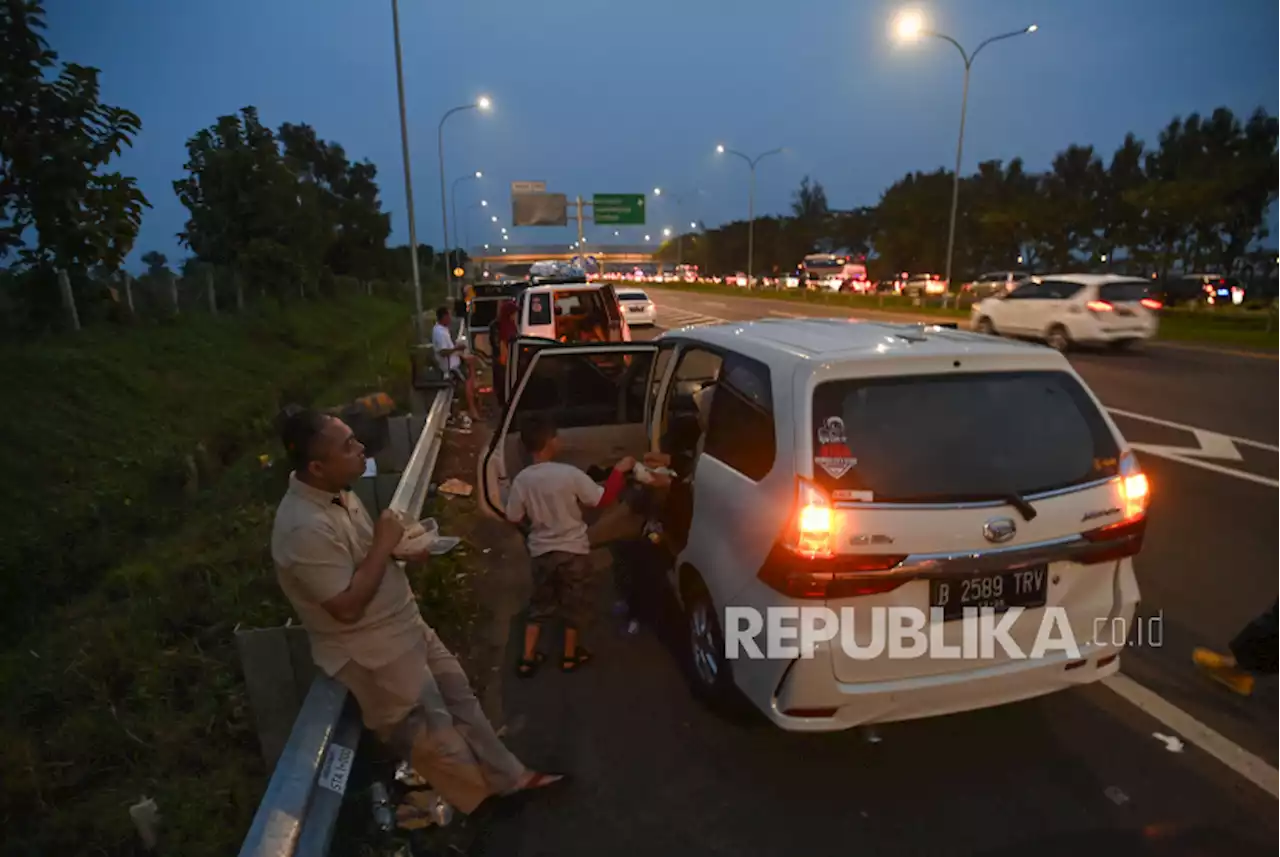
column 136, row 539
column 1221, row 326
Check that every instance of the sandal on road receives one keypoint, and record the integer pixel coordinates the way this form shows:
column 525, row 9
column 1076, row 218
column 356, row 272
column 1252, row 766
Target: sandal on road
column 526, row 667
column 579, row 658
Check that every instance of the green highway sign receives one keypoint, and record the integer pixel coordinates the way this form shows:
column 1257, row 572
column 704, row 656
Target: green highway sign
column 618, row 208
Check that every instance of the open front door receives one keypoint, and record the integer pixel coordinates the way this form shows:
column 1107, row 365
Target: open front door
column 596, row 394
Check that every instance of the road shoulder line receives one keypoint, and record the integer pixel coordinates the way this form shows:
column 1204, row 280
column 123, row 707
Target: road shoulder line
column 1235, row 757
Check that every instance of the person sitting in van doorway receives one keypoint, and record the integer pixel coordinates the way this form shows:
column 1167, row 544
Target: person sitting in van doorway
column 676, row 515
column 455, row 363
column 683, row 458
column 550, row 495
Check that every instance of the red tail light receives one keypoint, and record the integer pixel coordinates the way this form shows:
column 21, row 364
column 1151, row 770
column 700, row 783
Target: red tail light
column 803, row 563
column 1151, row 303
column 1124, row 538
column 1099, row 306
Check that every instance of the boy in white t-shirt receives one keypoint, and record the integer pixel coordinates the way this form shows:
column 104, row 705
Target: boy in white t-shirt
column 455, row 364
column 551, row 495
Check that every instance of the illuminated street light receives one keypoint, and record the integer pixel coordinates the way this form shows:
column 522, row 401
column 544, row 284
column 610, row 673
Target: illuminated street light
column 692, row 225
column 1104, row 257
column 484, row 203
column 751, row 201
column 615, row 233
column 666, row 233
column 646, row 238
column 494, row 218
column 1019, row 260
column 657, row 191
column 482, row 103
column 504, row 249
column 909, row 26
column 486, row 246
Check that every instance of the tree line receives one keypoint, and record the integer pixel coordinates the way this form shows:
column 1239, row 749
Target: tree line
column 276, row 214
column 1196, row 200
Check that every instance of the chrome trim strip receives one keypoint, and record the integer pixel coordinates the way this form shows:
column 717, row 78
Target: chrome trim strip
column 966, row 564
column 974, row 504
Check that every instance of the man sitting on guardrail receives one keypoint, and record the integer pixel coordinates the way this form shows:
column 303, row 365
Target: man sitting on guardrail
column 338, row 570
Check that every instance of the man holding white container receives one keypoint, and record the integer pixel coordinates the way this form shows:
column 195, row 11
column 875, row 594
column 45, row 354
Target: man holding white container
column 338, row 569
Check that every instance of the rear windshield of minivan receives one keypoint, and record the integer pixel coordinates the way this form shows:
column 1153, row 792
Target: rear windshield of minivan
column 957, row 438
column 1130, row 292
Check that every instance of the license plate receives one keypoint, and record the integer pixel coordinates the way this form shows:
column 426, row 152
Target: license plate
column 1000, row 591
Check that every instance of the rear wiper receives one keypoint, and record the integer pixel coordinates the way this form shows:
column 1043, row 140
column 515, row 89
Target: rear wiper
column 1016, row 500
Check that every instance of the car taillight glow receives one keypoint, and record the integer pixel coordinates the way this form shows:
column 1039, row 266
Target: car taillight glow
column 1151, row 303
column 1125, row 536
column 803, row 563
column 1099, row 306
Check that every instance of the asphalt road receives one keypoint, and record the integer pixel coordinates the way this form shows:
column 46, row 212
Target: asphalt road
column 1082, row 771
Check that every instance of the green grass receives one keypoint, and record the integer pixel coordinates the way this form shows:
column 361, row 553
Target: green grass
column 1224, row 326
column 103, row 429
column 127, row 683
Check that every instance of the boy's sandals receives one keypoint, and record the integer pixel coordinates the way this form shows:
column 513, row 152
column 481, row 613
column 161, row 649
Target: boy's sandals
column 578, row 659
column 526, row 667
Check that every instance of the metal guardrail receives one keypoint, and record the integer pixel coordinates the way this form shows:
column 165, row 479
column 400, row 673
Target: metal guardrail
column 300, row 808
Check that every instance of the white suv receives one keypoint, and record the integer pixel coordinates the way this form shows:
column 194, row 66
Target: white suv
column 1068, row 309
column 862, row 465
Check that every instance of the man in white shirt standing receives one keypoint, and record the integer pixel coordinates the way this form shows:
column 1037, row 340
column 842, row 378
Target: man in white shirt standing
column 455, row 364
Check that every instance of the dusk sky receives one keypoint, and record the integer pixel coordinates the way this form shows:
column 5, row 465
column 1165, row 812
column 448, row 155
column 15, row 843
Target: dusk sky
column 602, row 96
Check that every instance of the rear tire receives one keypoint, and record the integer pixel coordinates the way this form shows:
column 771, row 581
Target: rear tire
column 1058, row 339
column 710, row 674
column 985, row 327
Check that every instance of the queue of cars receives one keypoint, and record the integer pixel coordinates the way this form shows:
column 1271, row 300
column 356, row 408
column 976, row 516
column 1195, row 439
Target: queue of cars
column 860, row 466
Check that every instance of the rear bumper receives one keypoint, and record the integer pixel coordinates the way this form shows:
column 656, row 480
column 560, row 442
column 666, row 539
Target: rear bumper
column 646, row 317
column 1095, row 334
column 809, row 685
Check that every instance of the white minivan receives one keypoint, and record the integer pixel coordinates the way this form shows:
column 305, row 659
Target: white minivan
column 1065, row 310
column 862, row 465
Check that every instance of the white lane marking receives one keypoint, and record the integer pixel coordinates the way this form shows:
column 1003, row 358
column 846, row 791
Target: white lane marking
column 781, row 314
column 1216, row 468
column 1211, row 444
column 1170, row 424
column 1251, row 767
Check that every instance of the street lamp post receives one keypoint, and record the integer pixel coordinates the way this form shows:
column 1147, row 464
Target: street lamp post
column 481, row 104
column 408, row 180
column 751, row 202
column 454, row 195
column 911, row 26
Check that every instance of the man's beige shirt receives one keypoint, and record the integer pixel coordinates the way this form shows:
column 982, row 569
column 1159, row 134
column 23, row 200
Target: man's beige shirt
column 318, row 540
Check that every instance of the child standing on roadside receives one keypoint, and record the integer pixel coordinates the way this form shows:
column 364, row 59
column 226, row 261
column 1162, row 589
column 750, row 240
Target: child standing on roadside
column 551, row 495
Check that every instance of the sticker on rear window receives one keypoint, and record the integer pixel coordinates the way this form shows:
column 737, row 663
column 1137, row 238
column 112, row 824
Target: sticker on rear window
column 834, row 455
